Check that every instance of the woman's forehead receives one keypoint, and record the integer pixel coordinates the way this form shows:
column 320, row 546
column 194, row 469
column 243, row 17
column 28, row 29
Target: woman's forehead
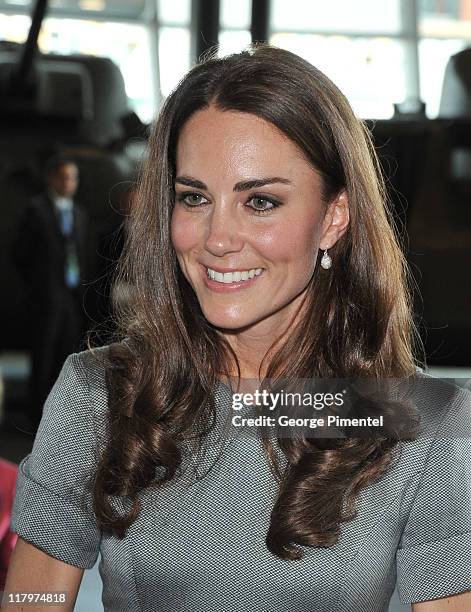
column 230, row 140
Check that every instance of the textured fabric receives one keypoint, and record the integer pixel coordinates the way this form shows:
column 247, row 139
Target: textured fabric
column 199, row 543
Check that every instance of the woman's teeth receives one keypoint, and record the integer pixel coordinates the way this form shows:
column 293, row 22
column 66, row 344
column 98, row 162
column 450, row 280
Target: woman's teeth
column 233, row 277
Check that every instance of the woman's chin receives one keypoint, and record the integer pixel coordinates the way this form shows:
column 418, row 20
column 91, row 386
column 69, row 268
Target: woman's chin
column 229, row 322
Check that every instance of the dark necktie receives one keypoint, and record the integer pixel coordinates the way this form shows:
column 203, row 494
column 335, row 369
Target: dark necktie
column 71, row 271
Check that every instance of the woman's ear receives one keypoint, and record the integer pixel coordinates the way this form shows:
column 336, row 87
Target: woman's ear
column 336, row 220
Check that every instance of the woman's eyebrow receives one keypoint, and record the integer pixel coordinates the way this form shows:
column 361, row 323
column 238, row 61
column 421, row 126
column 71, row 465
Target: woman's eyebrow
column 255, row 183
column 241, row 186
column 190, row 182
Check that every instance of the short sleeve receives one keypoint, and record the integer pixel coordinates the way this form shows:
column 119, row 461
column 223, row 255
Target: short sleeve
column 434, row 554
column 52, row 508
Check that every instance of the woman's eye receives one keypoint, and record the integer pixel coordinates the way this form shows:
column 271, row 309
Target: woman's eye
column 191, row 199
column 261, row 205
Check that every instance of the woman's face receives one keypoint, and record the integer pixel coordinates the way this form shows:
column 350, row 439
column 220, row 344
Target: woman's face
column 248, row 219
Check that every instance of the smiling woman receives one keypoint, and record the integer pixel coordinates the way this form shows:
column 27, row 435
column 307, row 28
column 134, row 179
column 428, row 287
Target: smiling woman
column 248, row 248
column 260, row 248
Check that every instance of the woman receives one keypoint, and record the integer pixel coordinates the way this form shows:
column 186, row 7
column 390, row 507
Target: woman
column 259, row 247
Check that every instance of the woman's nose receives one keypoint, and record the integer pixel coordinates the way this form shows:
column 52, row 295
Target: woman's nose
column 223, row 232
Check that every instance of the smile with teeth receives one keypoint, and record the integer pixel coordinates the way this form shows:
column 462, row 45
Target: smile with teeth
column 233, row 277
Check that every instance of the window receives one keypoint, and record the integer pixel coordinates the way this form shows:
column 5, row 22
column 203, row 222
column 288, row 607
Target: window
column 174, row 56
column 127, row 44
column 174, row 18
column 112, row 9
column 359, row 45
column 369, row 71
column 444, row 29
column 234, row 19
column 375, row 51
column 360, row 17
column 14, row 28
column 434, row 55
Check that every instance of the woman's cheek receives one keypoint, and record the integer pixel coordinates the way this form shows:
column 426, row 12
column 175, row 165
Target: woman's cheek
column 182, row 232
column 289, row 242
column 268, row 241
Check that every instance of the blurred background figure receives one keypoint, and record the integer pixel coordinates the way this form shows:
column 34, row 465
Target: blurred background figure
column 50, row 253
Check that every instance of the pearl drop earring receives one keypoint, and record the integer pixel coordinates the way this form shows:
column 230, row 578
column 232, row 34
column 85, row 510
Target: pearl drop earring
column 326, row 260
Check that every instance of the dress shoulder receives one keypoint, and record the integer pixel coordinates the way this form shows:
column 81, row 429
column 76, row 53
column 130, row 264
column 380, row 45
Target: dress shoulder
column 53, row 507
column 434, row 553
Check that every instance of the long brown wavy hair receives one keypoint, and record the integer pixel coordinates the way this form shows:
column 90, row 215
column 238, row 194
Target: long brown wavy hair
column 163, row 368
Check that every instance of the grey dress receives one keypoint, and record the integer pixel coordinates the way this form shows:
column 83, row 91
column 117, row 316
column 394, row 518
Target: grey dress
column 198, row 544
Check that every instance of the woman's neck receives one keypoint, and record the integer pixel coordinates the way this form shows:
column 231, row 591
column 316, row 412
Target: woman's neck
column 255, row 346
column 252, row 347
column 249, row 352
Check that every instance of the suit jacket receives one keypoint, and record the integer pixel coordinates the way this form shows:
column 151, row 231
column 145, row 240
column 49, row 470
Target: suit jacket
column 39, row 251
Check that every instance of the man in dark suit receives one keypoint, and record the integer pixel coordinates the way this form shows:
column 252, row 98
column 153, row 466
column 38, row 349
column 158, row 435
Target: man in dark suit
column 51, row 255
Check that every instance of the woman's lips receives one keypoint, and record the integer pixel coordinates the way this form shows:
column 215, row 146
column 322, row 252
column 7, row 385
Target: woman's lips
column 226, row 287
